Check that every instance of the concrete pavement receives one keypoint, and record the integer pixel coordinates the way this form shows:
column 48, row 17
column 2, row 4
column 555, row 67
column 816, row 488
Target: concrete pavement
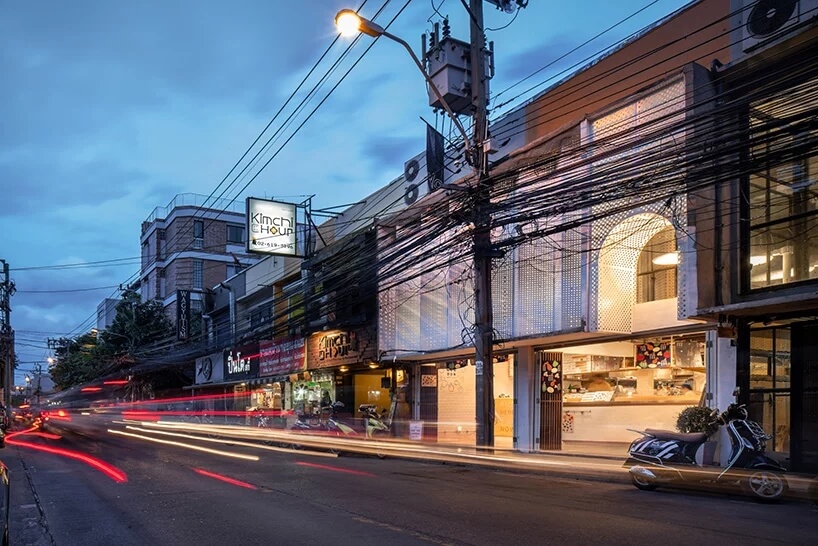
column 27, row 522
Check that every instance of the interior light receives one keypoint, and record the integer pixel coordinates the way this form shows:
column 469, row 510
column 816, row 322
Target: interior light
column 758, row 260
column 374, row 365
column 671, row 258
column 343, row 369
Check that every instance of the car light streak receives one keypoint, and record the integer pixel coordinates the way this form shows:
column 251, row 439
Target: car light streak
column 222, row 441
column 46, row 435
column 188, row 446
column 336, row 469
column 223, row 478
column 108, row 469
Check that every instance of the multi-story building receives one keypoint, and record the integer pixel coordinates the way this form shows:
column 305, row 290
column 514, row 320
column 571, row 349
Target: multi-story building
column 756, row 218
column 193, row 244
column 106, row 312
column 594, row 283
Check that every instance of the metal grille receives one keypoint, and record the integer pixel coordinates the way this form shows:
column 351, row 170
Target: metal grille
column 502, row 295
column 619, row 238
column 433, row 310
column 407, row 316
column 386, row 320
column 458, row 296
column 619, row 247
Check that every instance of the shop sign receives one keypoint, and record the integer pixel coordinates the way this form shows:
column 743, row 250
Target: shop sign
column 335, row 348
column 416, row 430
column 209, row 369
column 241, row 362
column 281, row 358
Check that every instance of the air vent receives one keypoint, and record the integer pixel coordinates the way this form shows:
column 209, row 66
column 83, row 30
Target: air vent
column 411, row 194
column 765, row 21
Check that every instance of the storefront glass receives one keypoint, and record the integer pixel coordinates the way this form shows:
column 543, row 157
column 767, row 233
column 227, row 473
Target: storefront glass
column 769, row 401
column 610, row 387
column 312, row 391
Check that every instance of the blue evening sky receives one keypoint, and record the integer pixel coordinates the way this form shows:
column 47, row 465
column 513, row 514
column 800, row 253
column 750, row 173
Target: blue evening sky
column 110, row 108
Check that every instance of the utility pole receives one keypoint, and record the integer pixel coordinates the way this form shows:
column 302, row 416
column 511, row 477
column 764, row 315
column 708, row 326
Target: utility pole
column 38, row 370
column 6, row 336
column 484, row 318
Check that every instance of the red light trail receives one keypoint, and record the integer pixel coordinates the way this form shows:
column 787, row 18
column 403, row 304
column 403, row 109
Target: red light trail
column 108, row 469
column 224, row 478
column 336, row 469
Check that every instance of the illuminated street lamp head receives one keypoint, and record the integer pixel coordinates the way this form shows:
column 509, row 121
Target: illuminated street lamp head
column 349, row 23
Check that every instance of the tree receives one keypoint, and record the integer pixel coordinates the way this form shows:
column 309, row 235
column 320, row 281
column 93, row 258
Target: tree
column 77, row 361
column 138, row 328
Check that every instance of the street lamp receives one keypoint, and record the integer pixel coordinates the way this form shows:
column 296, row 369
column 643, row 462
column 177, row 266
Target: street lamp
column 349, row 23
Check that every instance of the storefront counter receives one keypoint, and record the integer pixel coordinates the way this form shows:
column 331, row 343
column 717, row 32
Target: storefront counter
column 610, row 421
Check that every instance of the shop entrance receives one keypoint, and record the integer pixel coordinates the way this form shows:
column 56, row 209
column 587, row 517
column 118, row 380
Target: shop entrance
column 781, row 378
column 805, row 397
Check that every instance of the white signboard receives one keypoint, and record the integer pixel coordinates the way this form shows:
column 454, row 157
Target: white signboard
column 209, row 369
column 416, row 430
column 271, row 227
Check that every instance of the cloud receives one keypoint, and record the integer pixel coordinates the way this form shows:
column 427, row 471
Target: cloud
column 389, row 151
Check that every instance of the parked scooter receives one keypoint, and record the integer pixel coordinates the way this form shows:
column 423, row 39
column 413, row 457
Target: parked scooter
column 376, row 424
column 663, row 457
column 329, row 427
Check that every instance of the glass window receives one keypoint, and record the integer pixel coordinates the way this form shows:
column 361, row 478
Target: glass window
column 656, row 268
column 198, row 274
column 782, row 191
column 235, row 233
column 198, row 234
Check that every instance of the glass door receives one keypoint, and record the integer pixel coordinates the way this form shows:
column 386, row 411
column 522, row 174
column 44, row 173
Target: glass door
column 769, row 400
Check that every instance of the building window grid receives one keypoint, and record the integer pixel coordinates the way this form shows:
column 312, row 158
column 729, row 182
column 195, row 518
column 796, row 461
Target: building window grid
column 235, row 234
column 653, row 281
column 198, row 234
column 781, row 200
column 198, row 274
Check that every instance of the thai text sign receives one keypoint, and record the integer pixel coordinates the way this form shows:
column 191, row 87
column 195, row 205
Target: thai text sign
column 281, row 358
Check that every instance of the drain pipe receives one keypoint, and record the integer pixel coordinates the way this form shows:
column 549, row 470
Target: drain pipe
column 232, row 310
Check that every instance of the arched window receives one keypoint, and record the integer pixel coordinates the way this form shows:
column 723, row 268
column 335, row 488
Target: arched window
column 656, row 268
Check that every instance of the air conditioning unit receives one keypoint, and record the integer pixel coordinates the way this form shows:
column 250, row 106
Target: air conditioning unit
column 414, row 172
column 764, row 21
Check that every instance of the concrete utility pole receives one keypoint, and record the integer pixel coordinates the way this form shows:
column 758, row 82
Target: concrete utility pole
column 6, row 337
column 484, row 319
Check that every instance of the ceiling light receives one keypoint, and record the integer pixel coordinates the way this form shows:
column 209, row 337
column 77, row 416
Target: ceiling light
column 671, row 258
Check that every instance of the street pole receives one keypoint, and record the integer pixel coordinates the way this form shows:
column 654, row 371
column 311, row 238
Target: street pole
column 6, row 337
column 484, row 319
column 38, row 369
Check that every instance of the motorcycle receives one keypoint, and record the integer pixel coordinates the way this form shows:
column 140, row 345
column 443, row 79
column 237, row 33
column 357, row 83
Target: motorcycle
column 331, row 426
column 662, row 457
column 376, row 424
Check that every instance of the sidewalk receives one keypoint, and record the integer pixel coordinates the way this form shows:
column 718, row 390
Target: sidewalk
column 27, row 527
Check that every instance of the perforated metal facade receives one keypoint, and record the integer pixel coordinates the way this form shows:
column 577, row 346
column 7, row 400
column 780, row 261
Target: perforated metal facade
column 582, row 277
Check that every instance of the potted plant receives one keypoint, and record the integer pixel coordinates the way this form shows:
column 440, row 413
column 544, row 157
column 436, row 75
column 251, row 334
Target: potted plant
column 696, row 419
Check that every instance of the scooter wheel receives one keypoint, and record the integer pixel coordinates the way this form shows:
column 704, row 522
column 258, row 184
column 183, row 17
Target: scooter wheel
column 765, row 486
column 643, row 484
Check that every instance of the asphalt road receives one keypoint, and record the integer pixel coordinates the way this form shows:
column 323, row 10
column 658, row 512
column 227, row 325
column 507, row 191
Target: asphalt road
column 174, row 495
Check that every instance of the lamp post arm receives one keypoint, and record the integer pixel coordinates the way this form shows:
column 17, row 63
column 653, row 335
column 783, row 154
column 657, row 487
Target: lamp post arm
column 432, row 85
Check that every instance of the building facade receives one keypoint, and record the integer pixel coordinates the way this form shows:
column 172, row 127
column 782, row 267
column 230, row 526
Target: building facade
column 192, row 244
column 758, row 264
column 594, row 286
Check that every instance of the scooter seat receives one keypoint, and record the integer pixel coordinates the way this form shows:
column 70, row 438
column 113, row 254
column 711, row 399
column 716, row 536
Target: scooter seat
column 692, row 437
